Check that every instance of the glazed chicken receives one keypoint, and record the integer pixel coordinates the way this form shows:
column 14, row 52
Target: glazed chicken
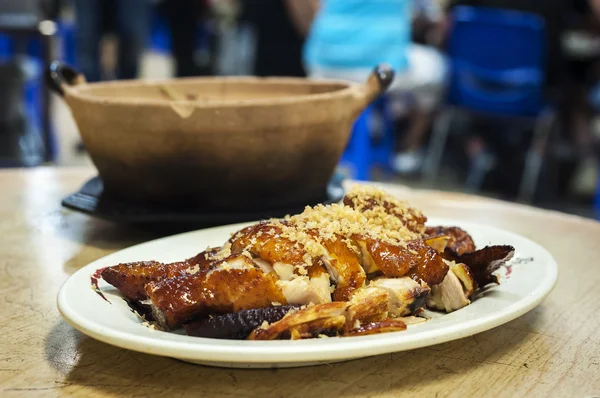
column 231, row 285
column 300, row 282
column 131, row 278
column 346, row 269
column 459, row 241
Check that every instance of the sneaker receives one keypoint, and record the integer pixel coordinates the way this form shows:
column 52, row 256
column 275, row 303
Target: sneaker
column 407, row 162
column 585, row 180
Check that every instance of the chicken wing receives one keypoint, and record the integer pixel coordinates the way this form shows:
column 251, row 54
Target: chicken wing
column 484, row 262
column 130, row 278
column 232, row 285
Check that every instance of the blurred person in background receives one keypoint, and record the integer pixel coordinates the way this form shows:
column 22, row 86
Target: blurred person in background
column 567, row 80
column 280, row 28
column 582, row 94
column 554, row 14
column 349, row 37
column 183, row 17
column 130, row 19
column 478, row 143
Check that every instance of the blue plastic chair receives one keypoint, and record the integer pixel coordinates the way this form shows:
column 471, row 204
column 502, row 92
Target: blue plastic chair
column 159, row 39
column 363, row 152
column 497, row 70
column 32, row 90
column 68, row 48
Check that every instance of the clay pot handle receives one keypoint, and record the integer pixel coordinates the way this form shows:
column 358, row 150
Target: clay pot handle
column 60, row 76
column 378, row 82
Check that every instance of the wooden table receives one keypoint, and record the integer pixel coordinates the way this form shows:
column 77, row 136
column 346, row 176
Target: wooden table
column 552, row 351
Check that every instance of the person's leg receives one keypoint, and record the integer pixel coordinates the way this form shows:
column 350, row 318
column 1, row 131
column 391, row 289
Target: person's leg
column 133, row 25
column 182, row 16
column 425, row 79
column 580, row 120
column 87, row 37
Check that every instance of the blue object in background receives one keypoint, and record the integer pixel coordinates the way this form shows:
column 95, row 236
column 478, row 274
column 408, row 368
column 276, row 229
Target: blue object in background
column 31, row 63
column 497, row 70
column 363, row 152
column 6, row 46
column 160, row 36
column 497, row 61
column 66, row 31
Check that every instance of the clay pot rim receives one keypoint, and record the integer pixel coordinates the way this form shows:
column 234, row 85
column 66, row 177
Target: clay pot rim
column 66, row 81
column 84, row 92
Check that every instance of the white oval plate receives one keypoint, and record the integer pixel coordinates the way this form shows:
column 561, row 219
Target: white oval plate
column 533, row 274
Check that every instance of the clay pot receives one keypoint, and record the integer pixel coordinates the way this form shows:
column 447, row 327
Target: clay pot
column 236, row 142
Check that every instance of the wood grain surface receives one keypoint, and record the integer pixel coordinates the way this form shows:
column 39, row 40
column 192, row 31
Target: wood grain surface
column 553, row 350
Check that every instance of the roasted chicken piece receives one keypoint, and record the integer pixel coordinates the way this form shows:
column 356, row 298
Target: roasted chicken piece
column 484, row 262
column 368, row 311
column 385, row 326
column 437, row 243
column 459, row 242
column 372, row 198
column 318, row 328
column 417, row 260
column 295, row 320
column 232, row 285
column 300, row 282
column 343, row 265
column 450, row 295
column 131, row 278
column 405, row 296
column 429, row 265
column 461, row 282
column 377, row 256
column 369, row 304
column 466, row 277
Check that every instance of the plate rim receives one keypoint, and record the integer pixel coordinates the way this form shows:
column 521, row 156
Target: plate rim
column 312, row 350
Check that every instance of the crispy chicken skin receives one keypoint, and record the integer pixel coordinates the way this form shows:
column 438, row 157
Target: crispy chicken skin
column 264, row 241
column 205, row 259
column 385, row 326
column 130, row 278
column 316, row 328
column 429, row 265
column 417, row 260
column 301, row 283
column 460, row 241
column 484, row 262
column 412, row 218
column 232, row 285
column 343, row 265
